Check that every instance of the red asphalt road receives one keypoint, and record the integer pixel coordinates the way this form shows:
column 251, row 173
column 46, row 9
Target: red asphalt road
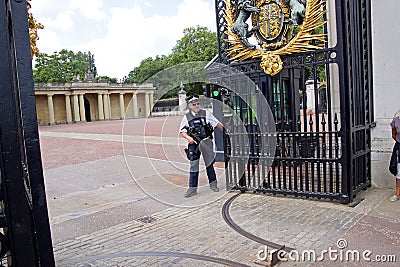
column 60, row 151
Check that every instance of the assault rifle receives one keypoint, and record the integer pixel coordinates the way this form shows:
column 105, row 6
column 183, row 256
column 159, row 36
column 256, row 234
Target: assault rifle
column 194, row 134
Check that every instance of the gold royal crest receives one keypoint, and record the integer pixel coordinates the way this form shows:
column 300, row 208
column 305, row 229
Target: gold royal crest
column 281, row 27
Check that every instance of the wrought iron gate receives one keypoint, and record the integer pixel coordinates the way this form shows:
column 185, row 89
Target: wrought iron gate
column 323, row 142
column 25, row 233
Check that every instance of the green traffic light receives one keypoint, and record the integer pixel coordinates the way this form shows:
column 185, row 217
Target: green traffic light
column 216, row 93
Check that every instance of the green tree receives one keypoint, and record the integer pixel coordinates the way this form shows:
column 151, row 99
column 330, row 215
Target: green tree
column 197, row 44
column 62, row 66
column 192, row 88
column 147, row 68
column 107, row 79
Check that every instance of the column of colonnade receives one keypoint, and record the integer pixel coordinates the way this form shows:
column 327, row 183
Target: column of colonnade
column 75, row 105
column 109, row 105
column 147, row 105
column 106, row 104
column 151, row 96
column 135, row 105
column 68, row 108
column 100, row 105
column 122, row 105
column 82, row 107
column 77, row 117
column 50, row 106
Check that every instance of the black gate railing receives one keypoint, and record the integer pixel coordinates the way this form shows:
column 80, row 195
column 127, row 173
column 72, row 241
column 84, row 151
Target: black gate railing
column 323, row 137
column 24, row 220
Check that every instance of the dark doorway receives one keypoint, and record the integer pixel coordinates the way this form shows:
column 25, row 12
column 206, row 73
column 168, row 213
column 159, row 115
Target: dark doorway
column 87, row 110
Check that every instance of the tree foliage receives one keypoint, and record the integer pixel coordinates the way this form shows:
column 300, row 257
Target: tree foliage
column 107, row 79
column 147, row 68
column 63, row 66
column 197, row 44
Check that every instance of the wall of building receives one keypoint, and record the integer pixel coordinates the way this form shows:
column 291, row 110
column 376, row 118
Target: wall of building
column 128, row 105
column 141, row 105
column 385, row 38
column 115, row 108
column 42, row 111
column 73, row 107
column 60, row 113
column 92, row 92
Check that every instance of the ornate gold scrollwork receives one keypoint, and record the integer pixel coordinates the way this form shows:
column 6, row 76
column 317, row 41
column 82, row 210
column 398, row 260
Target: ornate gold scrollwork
column 277, row 30
column 271, row 63
column 33, row 27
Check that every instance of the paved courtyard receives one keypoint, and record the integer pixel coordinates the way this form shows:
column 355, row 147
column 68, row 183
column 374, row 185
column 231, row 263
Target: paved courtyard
column 115, row 196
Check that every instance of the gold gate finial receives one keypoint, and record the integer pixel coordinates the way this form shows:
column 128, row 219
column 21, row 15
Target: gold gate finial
column 33, row 27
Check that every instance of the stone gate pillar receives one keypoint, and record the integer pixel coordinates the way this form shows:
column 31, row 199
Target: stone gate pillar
column 182, row 99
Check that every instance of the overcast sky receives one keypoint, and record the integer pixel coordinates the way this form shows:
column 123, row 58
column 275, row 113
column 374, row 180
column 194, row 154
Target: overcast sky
column 120, row 33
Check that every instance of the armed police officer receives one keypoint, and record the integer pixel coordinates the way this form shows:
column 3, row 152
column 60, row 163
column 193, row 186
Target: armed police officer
column 197, row 127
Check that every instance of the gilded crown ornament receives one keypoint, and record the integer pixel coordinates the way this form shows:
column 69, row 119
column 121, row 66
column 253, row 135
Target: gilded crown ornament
column 281, row 27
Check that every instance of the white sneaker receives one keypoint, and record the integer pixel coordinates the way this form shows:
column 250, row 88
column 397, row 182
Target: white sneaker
column 394, row 198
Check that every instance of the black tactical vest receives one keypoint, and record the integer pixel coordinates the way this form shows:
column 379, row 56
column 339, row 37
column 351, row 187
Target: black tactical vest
column 198, row 125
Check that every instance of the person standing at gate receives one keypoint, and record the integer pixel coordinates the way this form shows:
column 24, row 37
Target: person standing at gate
column 197, row 127
column 395, row 124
